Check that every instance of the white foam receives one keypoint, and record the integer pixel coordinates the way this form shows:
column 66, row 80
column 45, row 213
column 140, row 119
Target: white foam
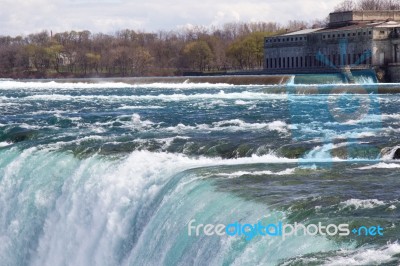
column 52, row 85
column 128, row 107
column 361, row 204
column 4, row 144
column 288, row 171
column 390, row 155
column 137, row 122
column 390, row 116
column 187, row 85
column 232, row 125
column 45, row 85
column 245, row 95
column 381, row 166
column 169, row 141
column 364, row 80
column 368, row 256
column 278, row 126
column 241, row 102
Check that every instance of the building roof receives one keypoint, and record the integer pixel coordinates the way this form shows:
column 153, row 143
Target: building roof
column 389, row 24
column 299, row 32
column 357, row 26
column 351, row 27
column 339, row 19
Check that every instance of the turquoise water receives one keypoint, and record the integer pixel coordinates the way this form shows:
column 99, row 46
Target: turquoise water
column 112, row 173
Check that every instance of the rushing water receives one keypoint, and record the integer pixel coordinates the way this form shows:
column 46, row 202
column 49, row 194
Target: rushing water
column 112, row 173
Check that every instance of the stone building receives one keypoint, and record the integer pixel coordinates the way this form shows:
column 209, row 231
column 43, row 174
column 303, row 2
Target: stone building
column 352, row 40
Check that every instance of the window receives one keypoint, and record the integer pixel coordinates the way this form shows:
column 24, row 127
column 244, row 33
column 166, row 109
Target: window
column 370, row 32
column 364, row 33
column 296, row 38
column 301, row 38
column 354, row 34
column 348, row 34
column 381, row 32
column 343, row 35
column 292, row 39
column 359, row 33
column 323, row 37
column 333, row 36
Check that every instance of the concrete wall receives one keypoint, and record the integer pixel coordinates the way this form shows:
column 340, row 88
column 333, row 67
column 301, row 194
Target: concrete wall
column 376, row 15
column 328, row 46
column 381, row 33
column 339, row 17
column 394, row 73
column 382, row 53
column 348, row 17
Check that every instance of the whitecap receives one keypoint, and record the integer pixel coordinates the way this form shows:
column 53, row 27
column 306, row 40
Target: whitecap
column 4, row 144
column 381, row 166
column 361, row 204
column 367, row 256
column 232, row 125
column 287, row 171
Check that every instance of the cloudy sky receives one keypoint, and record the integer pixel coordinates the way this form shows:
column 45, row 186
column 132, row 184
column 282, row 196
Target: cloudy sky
column 107, row 16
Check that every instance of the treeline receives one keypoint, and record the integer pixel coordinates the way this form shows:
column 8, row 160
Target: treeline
column 348, row 5
column 233, row 47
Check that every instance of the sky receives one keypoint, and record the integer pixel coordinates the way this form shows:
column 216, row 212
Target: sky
column 19, row 17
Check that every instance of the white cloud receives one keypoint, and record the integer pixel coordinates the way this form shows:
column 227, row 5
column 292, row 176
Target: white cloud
column 23, row 17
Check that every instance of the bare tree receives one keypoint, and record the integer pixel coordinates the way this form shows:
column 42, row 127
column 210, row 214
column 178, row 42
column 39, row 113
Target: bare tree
column 346, row 5
column 294, row 25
